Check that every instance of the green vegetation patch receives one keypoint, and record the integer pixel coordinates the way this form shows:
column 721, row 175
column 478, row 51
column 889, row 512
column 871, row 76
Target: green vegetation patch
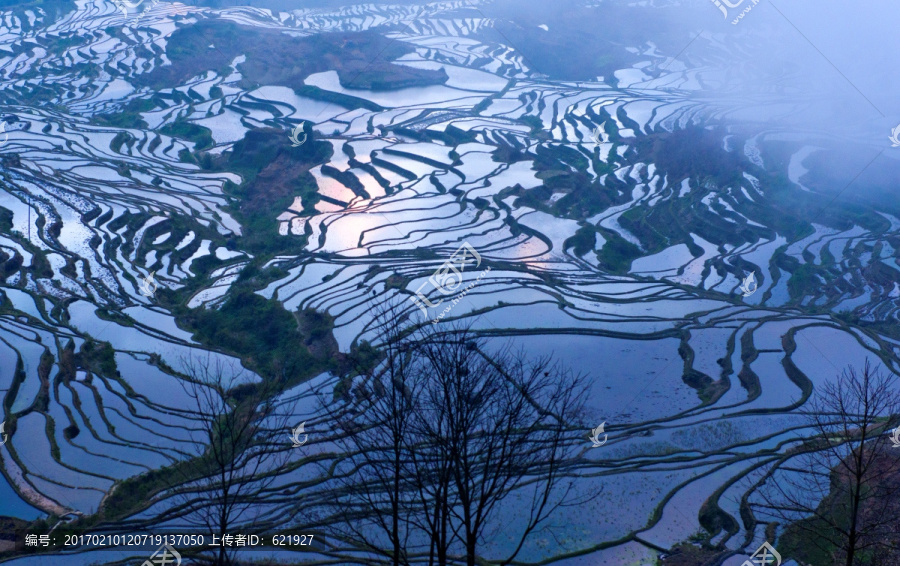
column 266, row 337
column 580, row 42
column 200, row 135
column 98, row 358
column 52, row 8
column 617, row 254
column 692, row 152
column 274, row 173
column 688, row 554
column 127, row 117
column 362, row 60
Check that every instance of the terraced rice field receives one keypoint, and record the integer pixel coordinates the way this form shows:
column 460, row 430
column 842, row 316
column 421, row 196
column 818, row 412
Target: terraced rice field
column 621, row 267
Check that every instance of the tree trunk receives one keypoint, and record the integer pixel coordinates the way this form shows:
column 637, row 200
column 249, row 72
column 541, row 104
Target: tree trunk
column 223, row 557
column 223, row 528
column 396, row 506
column 856, row 491
column 442, row 526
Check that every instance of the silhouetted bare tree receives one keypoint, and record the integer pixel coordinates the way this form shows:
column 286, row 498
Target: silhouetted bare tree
column 445, row 431
column 841, row 486
column 377, row 442
column 225, row 483
column 501, row 423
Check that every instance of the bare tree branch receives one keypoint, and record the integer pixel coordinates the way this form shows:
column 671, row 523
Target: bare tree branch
column 842, row 485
